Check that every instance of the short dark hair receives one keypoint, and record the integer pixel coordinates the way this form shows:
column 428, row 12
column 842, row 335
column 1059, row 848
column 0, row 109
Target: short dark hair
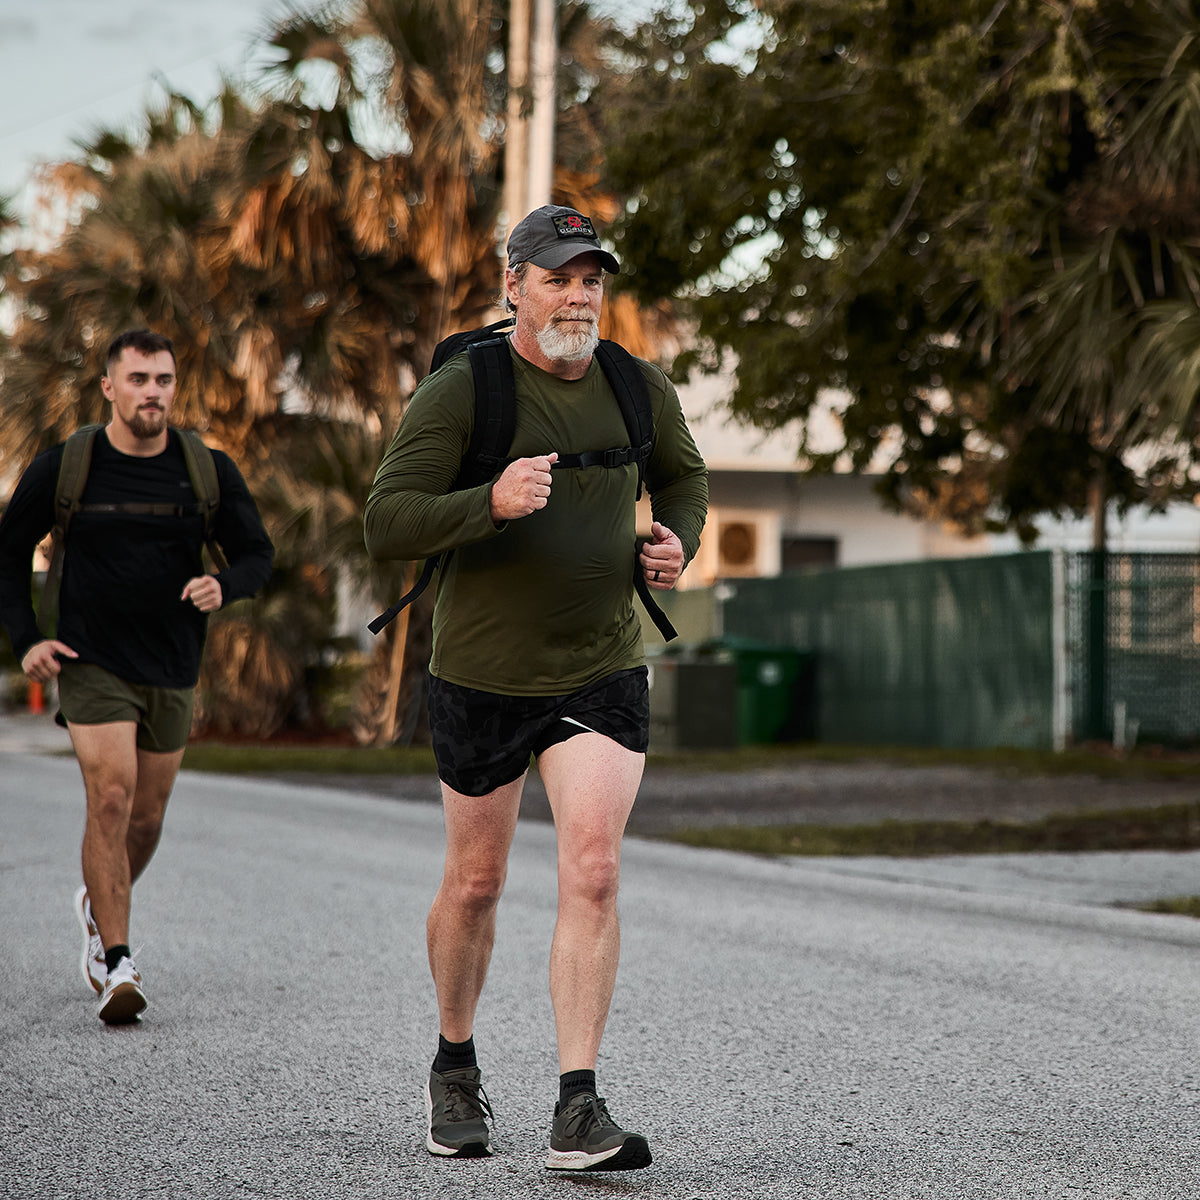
column 144, row 341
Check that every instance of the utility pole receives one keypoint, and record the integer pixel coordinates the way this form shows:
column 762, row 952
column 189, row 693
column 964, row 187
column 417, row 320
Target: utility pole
column 516, row 140
column 541, row 129
column 531, row 109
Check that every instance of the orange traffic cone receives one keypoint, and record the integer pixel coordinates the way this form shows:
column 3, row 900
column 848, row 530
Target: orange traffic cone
column 37, row 697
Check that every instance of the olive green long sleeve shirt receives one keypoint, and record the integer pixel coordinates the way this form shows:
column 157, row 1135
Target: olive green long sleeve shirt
column 543, row 604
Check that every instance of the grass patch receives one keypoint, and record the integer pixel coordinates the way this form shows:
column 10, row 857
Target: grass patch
column 286, row 757
column 1179, row 906
column 1100, row 762
column 1168, row 827
column 258, row 759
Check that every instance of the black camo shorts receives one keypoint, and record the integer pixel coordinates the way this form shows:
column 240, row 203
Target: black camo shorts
column 482, row 740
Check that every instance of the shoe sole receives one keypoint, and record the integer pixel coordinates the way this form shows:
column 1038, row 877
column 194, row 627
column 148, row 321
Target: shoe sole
column 124, row 1005
column 467, row 1150
column 85, row 960
column 631, row 1155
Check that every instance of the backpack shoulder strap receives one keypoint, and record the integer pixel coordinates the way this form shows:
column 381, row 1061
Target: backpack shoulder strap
column 72, row 474
column 487, row 450
column 202, row 471
column 456, row 343
column 629, row 386
column 68, row 489
column 495, row 412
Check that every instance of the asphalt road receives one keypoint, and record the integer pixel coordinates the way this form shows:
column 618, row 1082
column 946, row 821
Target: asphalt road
column 780, row 1029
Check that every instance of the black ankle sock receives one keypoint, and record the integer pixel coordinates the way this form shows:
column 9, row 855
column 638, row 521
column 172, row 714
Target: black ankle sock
column 114, row 954
column 452, row 1056
column 573, row 1082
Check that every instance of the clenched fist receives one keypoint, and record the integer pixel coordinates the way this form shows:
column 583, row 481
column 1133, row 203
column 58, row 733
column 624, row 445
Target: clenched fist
column 524, row 487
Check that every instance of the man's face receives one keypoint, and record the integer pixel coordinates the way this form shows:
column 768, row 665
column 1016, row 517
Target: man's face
column 142, row 389
column 561, row 306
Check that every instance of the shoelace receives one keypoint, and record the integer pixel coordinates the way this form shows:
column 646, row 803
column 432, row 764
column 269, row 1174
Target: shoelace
column 591, row 1112
column 466, row 1100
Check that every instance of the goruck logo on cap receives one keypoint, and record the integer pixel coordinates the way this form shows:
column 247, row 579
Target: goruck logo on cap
column 573, row 225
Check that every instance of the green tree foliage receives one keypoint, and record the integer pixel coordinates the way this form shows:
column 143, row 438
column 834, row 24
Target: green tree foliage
column 976, row 218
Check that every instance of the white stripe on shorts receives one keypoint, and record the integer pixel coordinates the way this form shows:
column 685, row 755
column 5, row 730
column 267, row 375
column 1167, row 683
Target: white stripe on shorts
column 572, row 721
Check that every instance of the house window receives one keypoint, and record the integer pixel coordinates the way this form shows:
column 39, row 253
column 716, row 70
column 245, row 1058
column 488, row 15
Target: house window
column 804, row 553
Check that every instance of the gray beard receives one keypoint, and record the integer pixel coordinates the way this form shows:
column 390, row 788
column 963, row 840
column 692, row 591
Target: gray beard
column 561, row 342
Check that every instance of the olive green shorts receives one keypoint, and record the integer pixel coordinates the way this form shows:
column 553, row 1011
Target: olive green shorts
column 90, row 695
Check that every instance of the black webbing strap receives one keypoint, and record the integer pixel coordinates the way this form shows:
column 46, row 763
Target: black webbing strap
column 661, row 621
column 621, row 456
column 386, row 618
column 143, row 510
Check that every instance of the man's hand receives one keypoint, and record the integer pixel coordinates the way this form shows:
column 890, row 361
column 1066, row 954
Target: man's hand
column 204, row 592
column 662, row 559
column 41, row 659
column 523, row 488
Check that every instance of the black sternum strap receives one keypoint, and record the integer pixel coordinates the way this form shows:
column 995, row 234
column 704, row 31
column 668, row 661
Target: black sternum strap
column 143, row 510
column 621, row 456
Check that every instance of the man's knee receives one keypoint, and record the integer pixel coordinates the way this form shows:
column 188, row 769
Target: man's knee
column 591, row 876
column 474, row 890
column 145, row 830
column 110, row 799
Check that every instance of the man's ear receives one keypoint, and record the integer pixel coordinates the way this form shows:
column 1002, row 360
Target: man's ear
column 512, row 288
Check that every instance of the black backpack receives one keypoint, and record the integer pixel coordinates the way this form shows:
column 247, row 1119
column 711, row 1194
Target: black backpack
column 68, row 488
column 495, row 424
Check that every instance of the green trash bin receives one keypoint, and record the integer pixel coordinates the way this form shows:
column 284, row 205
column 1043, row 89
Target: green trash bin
column 775, row 690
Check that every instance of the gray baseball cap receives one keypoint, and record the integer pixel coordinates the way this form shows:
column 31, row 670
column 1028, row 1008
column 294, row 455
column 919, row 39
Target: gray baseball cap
column 553, row 235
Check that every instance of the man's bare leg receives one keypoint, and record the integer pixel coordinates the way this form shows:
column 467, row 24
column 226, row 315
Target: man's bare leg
column 107, row 756
column 156, row 775
column 461, row 928
column 127, row 792
column 591, row 782
column 461, row 931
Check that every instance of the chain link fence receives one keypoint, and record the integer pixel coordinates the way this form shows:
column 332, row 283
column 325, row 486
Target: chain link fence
column 1133, row 647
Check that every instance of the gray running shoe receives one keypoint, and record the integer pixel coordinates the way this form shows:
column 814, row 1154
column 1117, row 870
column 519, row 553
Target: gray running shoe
column 458, row 1110
column 91, row 960
column 585, row 1138
column 122, row 999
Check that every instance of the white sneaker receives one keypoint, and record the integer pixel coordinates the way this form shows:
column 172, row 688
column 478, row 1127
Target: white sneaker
column 123, row 998
column 91, row 961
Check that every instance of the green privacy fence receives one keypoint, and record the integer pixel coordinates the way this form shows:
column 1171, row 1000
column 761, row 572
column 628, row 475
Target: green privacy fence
column 952, row 653
column 1040, row 649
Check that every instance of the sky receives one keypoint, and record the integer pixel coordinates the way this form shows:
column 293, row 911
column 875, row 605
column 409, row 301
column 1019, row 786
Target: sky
column 70, row 67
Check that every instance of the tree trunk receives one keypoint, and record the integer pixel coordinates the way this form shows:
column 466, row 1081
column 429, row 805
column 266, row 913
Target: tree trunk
column 1098, row 503
column 1097, row 611
column 387, row 727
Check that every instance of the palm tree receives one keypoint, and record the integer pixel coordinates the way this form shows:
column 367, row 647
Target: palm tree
column 305, row 276
column 1107, row 330
column 431, row 73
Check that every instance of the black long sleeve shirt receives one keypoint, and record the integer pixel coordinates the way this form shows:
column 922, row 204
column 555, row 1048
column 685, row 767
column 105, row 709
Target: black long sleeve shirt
column 119, row 603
